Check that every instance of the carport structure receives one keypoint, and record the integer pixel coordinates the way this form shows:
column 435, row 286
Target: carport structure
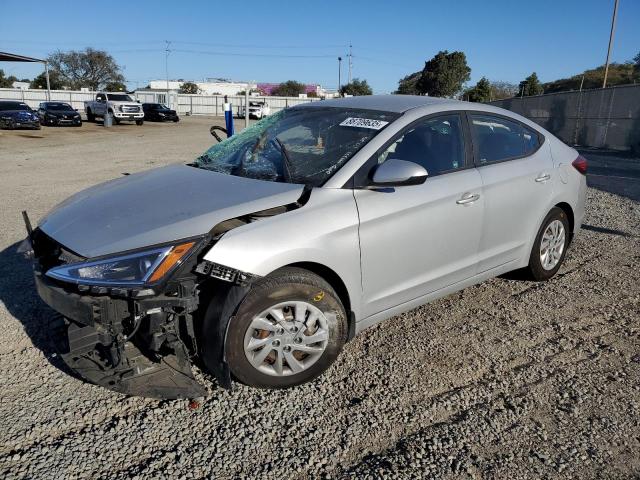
column 13, row 57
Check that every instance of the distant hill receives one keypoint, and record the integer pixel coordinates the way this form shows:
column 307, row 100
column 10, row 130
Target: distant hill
column 619, row 74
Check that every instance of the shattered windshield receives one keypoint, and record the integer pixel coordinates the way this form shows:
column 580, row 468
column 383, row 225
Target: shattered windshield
column 297, row 145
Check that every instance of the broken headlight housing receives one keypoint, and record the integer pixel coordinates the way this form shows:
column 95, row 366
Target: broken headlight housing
column 134, row 269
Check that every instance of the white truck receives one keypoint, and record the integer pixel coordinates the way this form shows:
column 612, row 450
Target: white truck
column 120, row 105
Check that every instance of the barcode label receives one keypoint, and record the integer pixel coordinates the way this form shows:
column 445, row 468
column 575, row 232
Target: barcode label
column 363, row 123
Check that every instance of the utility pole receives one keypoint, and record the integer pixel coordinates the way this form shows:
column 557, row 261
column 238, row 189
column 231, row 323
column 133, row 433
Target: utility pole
column 339, row 74
column 350, row 61
column 613, row 30
column 166, row 69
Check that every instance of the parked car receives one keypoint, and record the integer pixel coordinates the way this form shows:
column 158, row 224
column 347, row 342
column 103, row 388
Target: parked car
column 17, row 115
column 58, row 113
column 266, row 254
column 256, row 110
column 120, row 105
column 159, row 113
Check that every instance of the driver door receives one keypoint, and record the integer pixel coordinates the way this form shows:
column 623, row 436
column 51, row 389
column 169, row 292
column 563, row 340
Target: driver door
column 417, row 239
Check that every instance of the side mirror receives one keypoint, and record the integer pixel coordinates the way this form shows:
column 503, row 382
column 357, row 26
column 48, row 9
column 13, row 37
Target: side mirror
column 394, row 172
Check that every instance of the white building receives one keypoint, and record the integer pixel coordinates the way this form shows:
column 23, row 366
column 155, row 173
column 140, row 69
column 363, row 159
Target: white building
column 20, row 85
column 208, row 87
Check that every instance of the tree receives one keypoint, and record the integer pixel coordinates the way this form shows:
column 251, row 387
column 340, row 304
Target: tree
column 531, row 86
column 54, row 81
column 189, row 88
column 6, row 82
column 115, row 87
column 444, row 74
column 88, row 68
column 481, row 92
column 636, row 63
column 407, row 85
column 290, row 88
column 356, row 87
column 500, row 90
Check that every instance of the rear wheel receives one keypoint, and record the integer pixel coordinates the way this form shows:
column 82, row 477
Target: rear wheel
column 90, row 116
column 288, row 330
column 550, row 246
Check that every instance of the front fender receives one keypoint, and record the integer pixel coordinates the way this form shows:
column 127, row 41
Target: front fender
column 323, row 231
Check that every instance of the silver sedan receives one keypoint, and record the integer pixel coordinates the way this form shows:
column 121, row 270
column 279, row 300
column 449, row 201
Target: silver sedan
column 261, row 258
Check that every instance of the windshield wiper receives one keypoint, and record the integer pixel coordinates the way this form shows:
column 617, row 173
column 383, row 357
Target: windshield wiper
column 287, row 160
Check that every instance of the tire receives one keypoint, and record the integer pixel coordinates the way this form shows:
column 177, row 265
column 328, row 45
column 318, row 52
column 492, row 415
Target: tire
column 286, row 286
column 176, row 120
column 536, row 270
column 139, row 122
column 90, row 116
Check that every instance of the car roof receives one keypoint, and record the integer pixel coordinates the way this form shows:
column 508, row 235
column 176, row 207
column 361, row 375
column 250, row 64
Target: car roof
column 386, row 103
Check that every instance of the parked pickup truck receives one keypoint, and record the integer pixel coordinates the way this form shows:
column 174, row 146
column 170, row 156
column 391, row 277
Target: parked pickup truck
column 120, row 105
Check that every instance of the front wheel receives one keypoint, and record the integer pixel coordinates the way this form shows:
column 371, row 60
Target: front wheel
column 139, row 122
column 288, row 330
column 550, row 246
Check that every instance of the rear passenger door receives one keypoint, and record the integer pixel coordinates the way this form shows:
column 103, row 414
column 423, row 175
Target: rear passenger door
column 516, row 169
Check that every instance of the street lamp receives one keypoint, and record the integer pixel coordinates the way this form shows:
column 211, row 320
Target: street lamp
column 339, row 73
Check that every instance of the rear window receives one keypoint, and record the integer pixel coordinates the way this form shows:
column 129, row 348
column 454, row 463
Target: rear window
column 497, row 139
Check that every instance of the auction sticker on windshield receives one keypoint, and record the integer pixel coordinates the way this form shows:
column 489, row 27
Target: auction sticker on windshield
column 363, row 123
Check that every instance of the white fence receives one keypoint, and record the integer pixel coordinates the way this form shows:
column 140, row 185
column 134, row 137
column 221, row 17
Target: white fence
column 212, row 105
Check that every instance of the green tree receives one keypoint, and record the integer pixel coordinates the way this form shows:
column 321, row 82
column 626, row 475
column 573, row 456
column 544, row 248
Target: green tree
column 408, row 84
column 636, row 64
column 189, row 88
column 530, row 86
column 290, row 88
column 115, row 87
column 54, row 81
column 6, row 82
column 87, row 68
column 444, row 74
column 481, row 92
column 356, row 87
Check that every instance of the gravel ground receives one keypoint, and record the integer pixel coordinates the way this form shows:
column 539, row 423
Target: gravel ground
column 507, row 379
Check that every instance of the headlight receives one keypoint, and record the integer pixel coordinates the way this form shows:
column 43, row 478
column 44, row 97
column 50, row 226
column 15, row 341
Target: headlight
column 139, row 268
column 120, row 108
column 161, row 114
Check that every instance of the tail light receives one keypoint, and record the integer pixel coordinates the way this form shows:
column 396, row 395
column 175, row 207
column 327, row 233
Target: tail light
column 580, row 164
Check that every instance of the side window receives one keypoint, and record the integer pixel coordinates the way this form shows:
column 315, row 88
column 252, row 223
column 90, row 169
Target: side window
column 531, row 141
column 498, row 139
column 436, row 144
column 100, row 97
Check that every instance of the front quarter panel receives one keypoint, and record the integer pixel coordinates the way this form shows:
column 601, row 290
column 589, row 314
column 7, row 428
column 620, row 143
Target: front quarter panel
column 324, row 231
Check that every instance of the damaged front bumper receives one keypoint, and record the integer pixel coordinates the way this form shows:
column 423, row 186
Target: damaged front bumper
column 95, row 337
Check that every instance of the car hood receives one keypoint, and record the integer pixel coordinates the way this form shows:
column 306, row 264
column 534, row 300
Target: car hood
column 62, row 113
column 17, row 114
column 158, row 206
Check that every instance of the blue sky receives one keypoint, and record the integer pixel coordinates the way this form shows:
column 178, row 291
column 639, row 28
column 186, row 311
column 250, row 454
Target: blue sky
column 503, row 40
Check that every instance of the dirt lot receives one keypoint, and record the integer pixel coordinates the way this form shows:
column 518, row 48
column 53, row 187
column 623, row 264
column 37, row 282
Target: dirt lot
column 508, row 379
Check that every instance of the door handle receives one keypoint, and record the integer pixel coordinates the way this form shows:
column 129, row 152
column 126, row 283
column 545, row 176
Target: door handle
column 468, row 198
column 543, row 178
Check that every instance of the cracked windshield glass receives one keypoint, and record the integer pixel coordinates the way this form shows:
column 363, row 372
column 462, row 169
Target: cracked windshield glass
column 297, row 145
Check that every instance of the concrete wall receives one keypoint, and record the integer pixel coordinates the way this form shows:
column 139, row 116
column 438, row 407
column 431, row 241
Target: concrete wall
column 602, row 118
column 183, row 104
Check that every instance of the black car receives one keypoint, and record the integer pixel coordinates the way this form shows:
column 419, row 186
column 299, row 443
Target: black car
column 58, row 113
column 159, row 112
column 14, row 114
